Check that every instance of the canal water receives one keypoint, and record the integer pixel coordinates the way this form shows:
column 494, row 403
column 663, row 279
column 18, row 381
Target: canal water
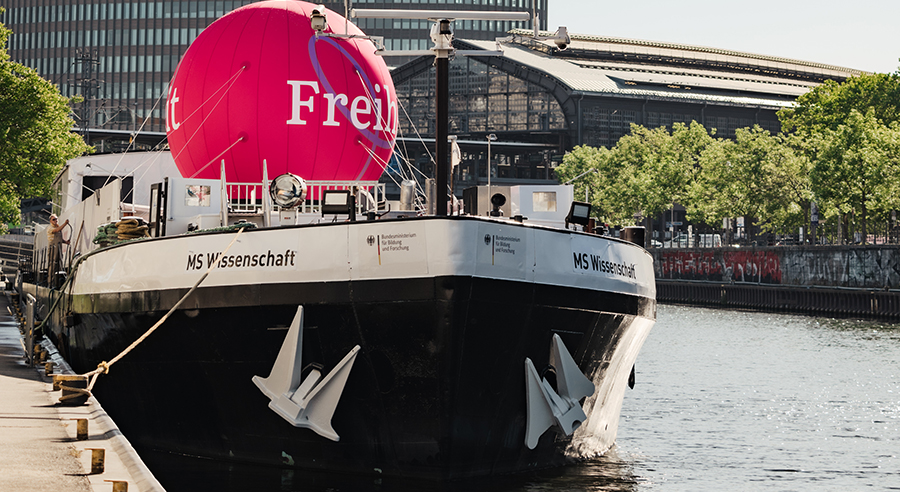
column 731, row 400
column 724, row 400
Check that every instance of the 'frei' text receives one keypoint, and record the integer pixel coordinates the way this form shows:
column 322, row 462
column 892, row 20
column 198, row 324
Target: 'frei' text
column 377, row 112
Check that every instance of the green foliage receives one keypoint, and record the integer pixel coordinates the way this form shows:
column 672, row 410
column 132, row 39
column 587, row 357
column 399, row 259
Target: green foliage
column 756, row 175
column 848, row 132
column 829, row 105
column 857, row 167
column 661, row 166
column 35, row 133
column 588, row 170
column 645, row 172
column 843, row 151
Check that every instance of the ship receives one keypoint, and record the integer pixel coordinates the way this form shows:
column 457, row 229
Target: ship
column 307, row 322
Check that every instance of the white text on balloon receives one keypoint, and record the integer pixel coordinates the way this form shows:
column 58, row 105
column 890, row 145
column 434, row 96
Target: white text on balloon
column 360, row 110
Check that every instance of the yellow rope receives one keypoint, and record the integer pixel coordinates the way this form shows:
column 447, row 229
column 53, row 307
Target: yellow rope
column 103, row 367
column 78, row 392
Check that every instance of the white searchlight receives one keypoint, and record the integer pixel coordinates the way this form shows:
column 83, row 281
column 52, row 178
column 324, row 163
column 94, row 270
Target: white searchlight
column 288, row 190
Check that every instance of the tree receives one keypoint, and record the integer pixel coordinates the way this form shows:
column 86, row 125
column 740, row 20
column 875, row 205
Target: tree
column 661, row 165
column 845, row 131
column 646, row 165
column 857, row 166
column 791, row 207
column 828, row 105
column 647, row 171
column 756, row 175
column 594, row 175
column 35, row 133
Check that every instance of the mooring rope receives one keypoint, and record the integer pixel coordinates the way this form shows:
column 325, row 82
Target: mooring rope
column 103, row 367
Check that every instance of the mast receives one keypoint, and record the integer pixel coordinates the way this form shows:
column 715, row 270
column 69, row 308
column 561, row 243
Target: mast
column 442, row 36
column 442, row 48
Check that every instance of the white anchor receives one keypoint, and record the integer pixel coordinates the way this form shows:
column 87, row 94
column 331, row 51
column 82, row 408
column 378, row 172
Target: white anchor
column 305, row 404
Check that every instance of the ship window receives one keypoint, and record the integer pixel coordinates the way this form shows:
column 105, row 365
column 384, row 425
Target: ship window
column 196, row 196
column 92, row 183
column 543, row 201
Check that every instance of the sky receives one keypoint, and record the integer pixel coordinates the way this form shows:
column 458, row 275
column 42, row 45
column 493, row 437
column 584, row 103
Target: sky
column 858, row 34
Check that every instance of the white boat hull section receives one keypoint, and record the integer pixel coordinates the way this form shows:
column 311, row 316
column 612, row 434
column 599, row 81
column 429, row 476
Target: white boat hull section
column 599, row 431
column 371, row 251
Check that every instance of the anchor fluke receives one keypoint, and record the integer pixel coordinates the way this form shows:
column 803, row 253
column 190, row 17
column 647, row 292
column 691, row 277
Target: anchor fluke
column 309, row 403
column 547, row 408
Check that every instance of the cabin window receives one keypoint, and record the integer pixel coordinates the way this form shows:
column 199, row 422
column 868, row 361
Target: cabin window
column 196, row 196
column 543, row 201
column 90, row 184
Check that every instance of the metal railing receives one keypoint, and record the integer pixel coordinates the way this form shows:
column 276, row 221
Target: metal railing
column 247, row 197
column 826, row 234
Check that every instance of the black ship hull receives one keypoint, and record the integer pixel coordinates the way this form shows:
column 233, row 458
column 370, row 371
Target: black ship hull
column 437, row 392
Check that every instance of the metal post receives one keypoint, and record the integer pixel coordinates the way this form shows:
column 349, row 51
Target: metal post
column 813, row 223
column 266, row 199
column 442, row 154
column 490, row 168
column 223, row 185
column 29, row 329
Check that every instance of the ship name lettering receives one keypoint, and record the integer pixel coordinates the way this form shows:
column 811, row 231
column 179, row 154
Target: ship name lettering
column 596, row 263
column 195, row 262
column 259, row 260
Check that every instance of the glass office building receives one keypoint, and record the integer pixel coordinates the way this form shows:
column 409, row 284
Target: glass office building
column 119, row 56
column 538, row 101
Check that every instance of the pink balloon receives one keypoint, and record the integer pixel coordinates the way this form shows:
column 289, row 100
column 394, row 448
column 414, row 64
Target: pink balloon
column 258, row 84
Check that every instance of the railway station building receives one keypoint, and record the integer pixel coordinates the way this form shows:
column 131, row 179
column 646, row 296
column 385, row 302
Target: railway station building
column 536, row 100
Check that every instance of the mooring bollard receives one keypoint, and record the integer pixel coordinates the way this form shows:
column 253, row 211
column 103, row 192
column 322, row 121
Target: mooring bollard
column 70, row 386
column 118, row 485
column 82, row 426
column 98, row 458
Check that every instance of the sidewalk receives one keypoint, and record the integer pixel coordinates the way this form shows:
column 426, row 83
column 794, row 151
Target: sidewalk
column 39, row 450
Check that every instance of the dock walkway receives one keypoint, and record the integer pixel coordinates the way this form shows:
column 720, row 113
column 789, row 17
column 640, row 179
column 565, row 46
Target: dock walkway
column 39, row 449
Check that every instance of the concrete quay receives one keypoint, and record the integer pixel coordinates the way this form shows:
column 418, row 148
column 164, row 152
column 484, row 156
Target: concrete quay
column 39, row 445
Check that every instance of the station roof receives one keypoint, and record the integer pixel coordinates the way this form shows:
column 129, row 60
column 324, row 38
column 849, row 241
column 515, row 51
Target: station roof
column 597, row 65
column 643, row 51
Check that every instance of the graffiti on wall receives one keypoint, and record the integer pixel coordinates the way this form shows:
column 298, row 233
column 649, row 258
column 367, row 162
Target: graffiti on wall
column 723, row 266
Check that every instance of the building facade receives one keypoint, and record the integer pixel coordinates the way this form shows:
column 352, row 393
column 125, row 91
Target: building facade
column 539, row 101
column 120, row 56
column 536, row 100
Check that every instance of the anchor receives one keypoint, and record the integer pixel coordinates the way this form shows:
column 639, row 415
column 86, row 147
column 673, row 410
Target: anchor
column 309, row 403
column 546, row 407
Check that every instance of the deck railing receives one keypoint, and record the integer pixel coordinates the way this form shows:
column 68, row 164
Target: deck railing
column 247, row 197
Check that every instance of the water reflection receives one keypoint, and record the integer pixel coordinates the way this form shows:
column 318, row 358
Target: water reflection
column 609, row 472
column 178, row 473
